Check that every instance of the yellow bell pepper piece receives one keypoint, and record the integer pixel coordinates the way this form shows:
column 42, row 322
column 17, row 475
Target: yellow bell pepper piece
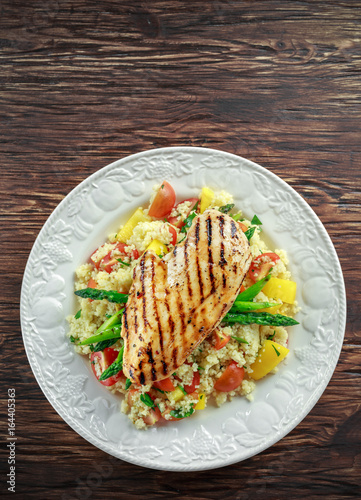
column 207, row 197
column 277, row 288
column 202, row 399
column 175, row 395
column 126, row 232
column 270, row 355
column 158, row 247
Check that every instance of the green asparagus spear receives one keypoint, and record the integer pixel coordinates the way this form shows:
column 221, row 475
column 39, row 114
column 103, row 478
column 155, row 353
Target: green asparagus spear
column 253, row 290
column 240, row 306
column 112, row 321
column 260, row 318
column 110, row 333
column 114, row 368
column 95, row 294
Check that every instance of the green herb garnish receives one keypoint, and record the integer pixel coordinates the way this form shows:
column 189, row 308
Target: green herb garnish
column 237, row 217
column 128, row 383
column 239, row 339
column 188, row 221
column 78, row 314
column 270, row 337
column 277, row 352
column 72, row 339
column 226, row 208
column 180, row 414
column 147, row 400
column 182, row 389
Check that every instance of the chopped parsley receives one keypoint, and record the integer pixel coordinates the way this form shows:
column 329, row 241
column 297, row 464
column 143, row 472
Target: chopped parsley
column 270, row 337
column 147, row 400
column 256, row 221
column 250, row 232
column 181, row 414
column 182, row 389
column 78, row 314
column 128, row 383
column 226, row 208
column 72, row 339
column 239, row 339
column 277, row 352
column 188, row 221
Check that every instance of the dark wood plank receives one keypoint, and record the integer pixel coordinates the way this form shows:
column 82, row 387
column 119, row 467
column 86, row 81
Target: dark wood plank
column 83, row 83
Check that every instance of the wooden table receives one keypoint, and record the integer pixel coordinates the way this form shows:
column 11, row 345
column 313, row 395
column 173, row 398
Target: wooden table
column 86, row 82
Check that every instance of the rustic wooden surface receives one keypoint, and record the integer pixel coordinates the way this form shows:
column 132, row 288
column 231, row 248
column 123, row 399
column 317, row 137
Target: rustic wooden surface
column 86, row 82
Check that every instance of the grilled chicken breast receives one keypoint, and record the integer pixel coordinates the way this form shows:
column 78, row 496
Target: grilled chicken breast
column 175, row 302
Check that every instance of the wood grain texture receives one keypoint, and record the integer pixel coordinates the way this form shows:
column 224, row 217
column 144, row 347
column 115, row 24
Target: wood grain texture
column 83, row 83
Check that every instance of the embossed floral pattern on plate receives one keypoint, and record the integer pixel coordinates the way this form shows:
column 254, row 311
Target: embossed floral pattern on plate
column 214, row 437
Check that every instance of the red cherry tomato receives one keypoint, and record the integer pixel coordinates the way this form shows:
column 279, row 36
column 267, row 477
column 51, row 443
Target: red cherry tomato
column 242, row 289
column 104, row 359
column 195, row 382
column 164, row 385
column 153, row 417
column 243, row 227
column 177, row 220
column 221, row 339
column 230, row 379
column 94, row 261
column 163, row 202
column 124, row 249
column 92, row 284
column 174, row 234
column 261, row 265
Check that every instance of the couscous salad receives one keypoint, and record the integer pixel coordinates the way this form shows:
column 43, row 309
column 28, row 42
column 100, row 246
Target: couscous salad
column 185, row 305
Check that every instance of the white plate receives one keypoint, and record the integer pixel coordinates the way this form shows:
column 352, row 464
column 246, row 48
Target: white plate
column 213, row 437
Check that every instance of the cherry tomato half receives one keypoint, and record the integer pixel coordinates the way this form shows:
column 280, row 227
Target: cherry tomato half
column 104, row 359
column 261, row 265
column 230, row 379
column 177, row 220
column 163, row 202
column 243, row 227
column 195, row 382
column 221, row 339
column 174, row 234
column 107, row 263
column 153, row 417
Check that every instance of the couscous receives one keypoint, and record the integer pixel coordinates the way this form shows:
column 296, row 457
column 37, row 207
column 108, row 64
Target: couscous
column 230, row 360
